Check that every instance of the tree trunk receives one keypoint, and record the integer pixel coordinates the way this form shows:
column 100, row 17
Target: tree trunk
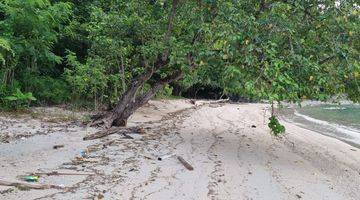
column 120, row 119
column 128, row 103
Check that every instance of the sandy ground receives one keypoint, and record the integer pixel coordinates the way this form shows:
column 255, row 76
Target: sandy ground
column 229, row 145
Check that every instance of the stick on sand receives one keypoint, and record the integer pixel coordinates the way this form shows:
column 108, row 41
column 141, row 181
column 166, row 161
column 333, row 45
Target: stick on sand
column 56, row 173
column 29, row 185
column 186, row 164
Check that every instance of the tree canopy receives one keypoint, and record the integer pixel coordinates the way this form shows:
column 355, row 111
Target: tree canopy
column 94, row 52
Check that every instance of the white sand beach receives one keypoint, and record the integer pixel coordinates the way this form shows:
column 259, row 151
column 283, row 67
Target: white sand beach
column 229, row 145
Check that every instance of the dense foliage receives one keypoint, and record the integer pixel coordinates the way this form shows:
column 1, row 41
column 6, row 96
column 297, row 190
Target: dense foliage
column 28, row 32
column 88, row 52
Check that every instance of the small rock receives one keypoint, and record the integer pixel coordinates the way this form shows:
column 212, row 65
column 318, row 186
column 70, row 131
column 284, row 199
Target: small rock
column 298, row 196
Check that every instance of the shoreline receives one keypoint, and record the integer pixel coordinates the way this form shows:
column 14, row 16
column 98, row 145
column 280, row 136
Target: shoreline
column 349, row 135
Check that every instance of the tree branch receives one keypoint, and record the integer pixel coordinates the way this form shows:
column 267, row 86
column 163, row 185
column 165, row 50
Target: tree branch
column 326, row 60
column 169, row 29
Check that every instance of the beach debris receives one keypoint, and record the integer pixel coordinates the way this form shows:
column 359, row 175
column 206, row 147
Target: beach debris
column 181, row 159
column 298, row 196
column 147, row 157
column 58, row 146
column 185, row 163
column 80, row 160
column 116, row 130
column 56, row 173
column 31, row 178
column 100, row 196
column 5, row 138
column 165, row 157
column 126, row 136
column 6, row 191
column 84, row 154
column 253, row 126
column 201, row 103
column 25, row 185
column 353, row 149
column 220, row 101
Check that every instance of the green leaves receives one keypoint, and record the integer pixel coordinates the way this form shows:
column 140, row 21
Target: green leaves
column 19, row 99
column 275, row 126
column 288, row 50
column 5, row 48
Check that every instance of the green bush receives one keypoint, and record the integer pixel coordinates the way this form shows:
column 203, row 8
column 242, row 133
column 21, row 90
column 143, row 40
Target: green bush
column 50, row 90
column 275, row 126
column 18, row 100
column 165, row 92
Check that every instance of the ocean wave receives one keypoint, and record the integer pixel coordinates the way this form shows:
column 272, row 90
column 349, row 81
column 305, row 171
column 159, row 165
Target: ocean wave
column 340, row 128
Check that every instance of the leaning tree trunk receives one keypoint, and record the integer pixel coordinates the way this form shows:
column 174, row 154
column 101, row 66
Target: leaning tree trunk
column 120, row 119
column 128, row 103
column 125, row 101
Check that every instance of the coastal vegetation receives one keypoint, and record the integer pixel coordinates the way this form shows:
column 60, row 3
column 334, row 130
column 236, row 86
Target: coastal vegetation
column 117, row 55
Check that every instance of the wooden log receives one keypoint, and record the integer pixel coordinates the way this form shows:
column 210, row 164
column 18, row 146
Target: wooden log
column 56, row 173
column 36, row 186
column 185, row 163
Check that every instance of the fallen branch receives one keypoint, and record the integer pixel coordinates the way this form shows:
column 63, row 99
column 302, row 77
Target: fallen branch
column 56, row 173
column 181, row 159
column 186, row 164
column 30, row 185
column 200, row 103
column 58, row 146
column 220, row 101
column 110, row 131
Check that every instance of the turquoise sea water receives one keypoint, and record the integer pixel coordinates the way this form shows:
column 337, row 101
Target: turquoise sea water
column 346, row 115
column 338, row 121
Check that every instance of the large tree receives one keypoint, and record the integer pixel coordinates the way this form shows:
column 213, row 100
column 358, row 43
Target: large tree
column 268, row 49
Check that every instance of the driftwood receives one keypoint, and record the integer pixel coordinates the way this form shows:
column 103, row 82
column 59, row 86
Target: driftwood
column 186, row 164
column 26, row 185
column 114, row 130
column 181, row 159
column 58, row 146
column 201, row 103
column 56, row 173
column 220, row 101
